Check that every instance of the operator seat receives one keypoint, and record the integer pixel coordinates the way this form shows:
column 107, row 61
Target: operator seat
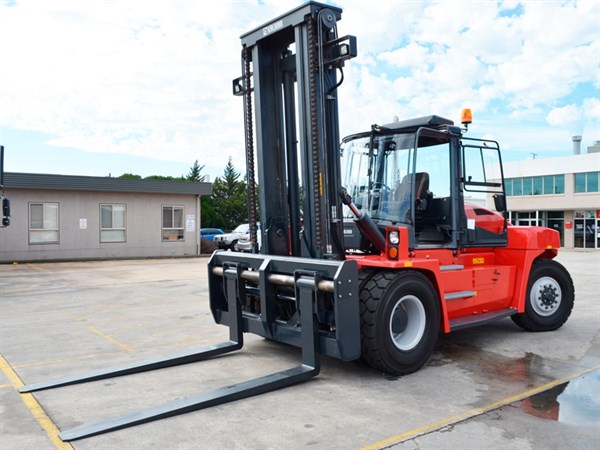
column 422, row 194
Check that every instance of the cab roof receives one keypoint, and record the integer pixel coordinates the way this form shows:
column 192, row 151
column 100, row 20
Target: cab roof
column 414, row 124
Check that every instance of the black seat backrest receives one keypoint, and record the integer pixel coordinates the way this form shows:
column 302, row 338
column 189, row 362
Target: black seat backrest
column 422, row 186
column 422, row 194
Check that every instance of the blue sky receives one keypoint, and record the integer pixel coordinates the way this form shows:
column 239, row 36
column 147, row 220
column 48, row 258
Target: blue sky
column 109, row 87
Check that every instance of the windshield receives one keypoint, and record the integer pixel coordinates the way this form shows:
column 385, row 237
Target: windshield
column 379, row 185
column 387, row 180
column 244, row 228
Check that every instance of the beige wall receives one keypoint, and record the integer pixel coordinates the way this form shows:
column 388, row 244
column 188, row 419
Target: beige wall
column 144, row 217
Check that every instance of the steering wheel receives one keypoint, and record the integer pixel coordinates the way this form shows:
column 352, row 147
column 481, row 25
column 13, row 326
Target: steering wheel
column 379, row 186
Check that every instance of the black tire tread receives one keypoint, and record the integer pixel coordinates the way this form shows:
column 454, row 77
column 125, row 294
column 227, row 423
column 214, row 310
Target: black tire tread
column 526, row 320
column 370, row 297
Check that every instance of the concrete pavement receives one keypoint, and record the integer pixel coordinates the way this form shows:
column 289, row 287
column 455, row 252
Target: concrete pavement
column 476, row 391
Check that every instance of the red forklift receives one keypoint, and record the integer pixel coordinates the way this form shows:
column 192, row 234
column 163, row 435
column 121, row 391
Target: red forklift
column 369, row 249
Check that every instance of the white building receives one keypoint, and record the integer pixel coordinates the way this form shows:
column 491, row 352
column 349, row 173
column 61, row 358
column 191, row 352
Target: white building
column 560, row 193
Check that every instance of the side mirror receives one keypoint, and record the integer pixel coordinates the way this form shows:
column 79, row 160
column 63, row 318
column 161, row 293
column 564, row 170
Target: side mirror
column 500, row 202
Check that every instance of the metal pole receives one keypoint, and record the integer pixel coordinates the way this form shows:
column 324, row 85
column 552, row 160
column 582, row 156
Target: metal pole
column 198, row 226
column 1, row 167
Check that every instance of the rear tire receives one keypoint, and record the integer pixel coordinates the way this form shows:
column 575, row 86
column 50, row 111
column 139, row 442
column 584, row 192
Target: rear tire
column 400, row 321
column 550, row 297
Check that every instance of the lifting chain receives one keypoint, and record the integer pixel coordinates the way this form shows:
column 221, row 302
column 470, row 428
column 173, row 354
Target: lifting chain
column 248, row 121
column 313, row 69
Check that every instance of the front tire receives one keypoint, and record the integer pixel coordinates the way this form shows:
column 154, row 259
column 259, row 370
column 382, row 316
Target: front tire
column 550, row 297
column 400, row 321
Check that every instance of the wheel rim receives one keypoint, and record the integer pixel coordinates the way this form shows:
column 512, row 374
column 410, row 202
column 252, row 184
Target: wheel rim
column 545, row 296
column 407, row 323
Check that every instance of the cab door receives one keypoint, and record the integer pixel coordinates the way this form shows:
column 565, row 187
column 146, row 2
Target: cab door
column 482, row 187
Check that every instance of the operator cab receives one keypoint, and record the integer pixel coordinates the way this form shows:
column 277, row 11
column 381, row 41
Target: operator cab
column 423, row 174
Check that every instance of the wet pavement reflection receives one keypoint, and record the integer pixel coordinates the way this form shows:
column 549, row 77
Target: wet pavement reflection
column 492, row 368
column 576, row 402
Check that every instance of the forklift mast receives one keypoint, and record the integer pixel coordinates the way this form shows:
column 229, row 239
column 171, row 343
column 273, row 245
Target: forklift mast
column 289, row 80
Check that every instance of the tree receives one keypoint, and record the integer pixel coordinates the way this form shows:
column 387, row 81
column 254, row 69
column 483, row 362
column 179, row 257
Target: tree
column 165, row 178
column 209, row 216
column 229, row 198
column 194, row 174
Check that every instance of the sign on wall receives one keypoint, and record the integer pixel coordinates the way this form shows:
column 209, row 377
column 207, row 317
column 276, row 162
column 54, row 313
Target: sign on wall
column 190, row 222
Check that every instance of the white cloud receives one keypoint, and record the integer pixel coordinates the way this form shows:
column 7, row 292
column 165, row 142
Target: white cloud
column 413, row 55
column 564, row 114
column 153, row 78
column 578, row 119
column 591, row 110
column 147, row 78
column 518, row 65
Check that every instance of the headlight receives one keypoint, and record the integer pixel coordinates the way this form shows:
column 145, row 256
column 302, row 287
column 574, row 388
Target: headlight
column 394, row 238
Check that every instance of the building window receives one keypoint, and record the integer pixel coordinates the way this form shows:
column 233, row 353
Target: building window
column 549, row 183
column 172, row 223
column 43, row 223
column 538, row 186
column 527, row 186
column 586, row 182
column 517, row 186
column 508, row 187
column 559, row 185
column 587, row 226
column 546, row 185
column 527, row 218
column 112, row 223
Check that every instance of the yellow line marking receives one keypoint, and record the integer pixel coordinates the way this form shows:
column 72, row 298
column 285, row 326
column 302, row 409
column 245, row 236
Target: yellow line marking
column 51, row 362
column 34, row 407
column 31, row 266
column 110, row 338
column 95, row 330
column 94, row 311
column 428, row 428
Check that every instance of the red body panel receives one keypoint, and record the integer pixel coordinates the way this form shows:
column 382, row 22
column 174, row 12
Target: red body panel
column 485, row 218
column 475, row 280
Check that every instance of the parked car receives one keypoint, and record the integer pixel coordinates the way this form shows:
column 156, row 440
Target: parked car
column 210, row 233
column 228, row 241
column 245, row 245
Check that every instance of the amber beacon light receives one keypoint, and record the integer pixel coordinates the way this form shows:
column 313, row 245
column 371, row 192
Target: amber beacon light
column 466, row 116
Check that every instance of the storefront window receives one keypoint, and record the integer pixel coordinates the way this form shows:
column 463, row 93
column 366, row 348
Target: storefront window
column 586, row 229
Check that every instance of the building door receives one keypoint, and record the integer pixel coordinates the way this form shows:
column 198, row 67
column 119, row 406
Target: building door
column 556, row 221
column 586, row 229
